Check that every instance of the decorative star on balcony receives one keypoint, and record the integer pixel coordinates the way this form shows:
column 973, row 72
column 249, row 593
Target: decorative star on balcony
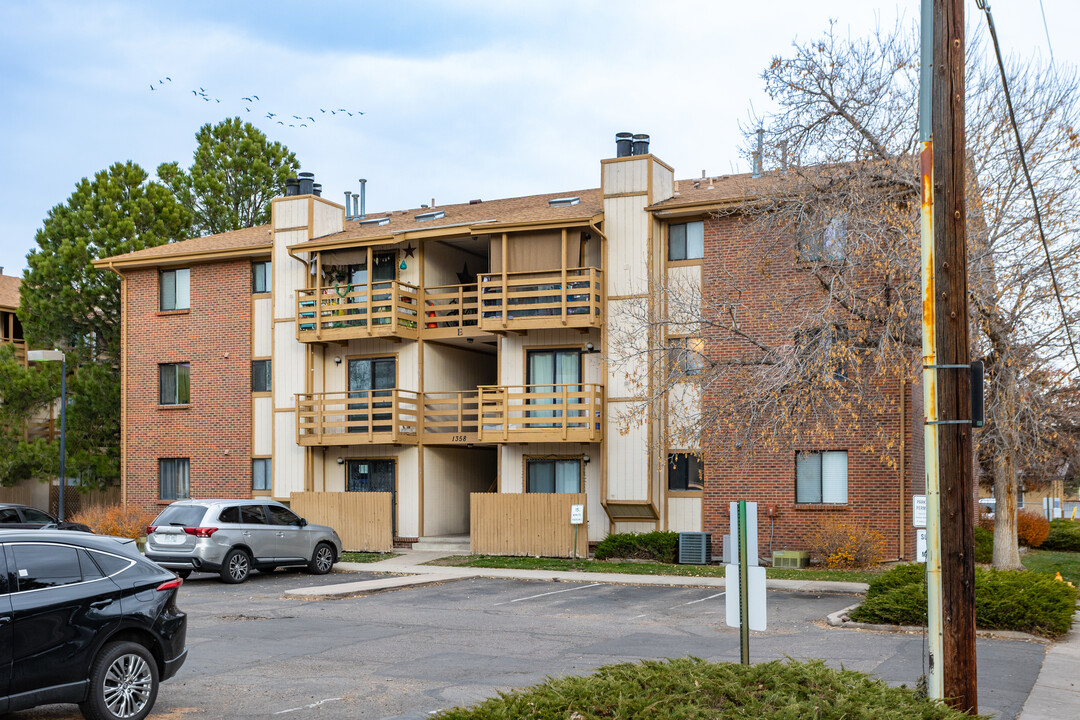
column 409, row 250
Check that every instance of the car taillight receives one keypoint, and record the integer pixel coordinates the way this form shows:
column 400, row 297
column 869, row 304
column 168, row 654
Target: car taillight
column 200, row 531
column 170, row 584
column 150, row 529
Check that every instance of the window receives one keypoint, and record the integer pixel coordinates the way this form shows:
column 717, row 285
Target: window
column 174, row 292
column 174, row 384
column 369, row 476
column 283, row 516
column 821, row 477
column 261, row 278
column 261, row 473
column 823, row 243
column 174, row 478
column 260, row 376
column 45, row 566
column 252, row 515
column 685, row 472
column 553, row 476
column 686, row 355
column 33, row 515
column 686, row 241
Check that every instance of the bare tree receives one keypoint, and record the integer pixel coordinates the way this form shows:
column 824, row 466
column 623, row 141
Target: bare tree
column 839, row 205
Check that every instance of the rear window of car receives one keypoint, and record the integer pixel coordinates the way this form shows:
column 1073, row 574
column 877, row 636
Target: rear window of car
column 230, row 515
column 110, row 564
column 252, row 515
column 36, row 516
column 39, row 566
column 181, row 515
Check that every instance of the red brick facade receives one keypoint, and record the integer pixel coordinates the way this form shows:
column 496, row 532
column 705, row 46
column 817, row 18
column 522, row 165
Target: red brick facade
column 735, row 257
column 214, row 336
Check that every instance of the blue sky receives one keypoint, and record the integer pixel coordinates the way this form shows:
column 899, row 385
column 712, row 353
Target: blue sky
column 461, row 100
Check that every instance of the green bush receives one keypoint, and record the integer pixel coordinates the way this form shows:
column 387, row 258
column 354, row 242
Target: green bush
column 659, row 546
column 984, row 545
column 1064, row 535
column 1004, row 600
column 693, row 689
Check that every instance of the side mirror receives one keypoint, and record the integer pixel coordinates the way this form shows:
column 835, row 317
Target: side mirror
column 303, row 522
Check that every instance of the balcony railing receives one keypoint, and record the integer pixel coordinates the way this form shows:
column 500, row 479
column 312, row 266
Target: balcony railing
column 346, row 312
column 451, row 311
column 542, row 413
column 571, row 297
column 451, row 417
column 357, row 417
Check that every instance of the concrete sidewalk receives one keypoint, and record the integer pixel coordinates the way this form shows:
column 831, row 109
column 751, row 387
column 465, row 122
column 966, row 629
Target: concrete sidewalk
column 1056, row 693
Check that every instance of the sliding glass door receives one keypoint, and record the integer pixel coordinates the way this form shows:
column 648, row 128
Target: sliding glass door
column 550, row 372
column 371, row 387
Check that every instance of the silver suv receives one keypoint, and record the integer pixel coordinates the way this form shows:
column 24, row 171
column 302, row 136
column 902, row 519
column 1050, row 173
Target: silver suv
column 231, row 537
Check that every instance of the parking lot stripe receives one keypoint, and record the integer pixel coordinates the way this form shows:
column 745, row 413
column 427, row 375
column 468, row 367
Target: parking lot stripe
column 306, row 707
column 693, row 602
column 553, row 592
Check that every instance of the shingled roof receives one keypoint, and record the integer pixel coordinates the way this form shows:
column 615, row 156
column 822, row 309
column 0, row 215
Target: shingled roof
column 9, row 291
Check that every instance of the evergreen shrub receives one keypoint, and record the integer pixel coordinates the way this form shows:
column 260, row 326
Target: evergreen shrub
column 1064, row 535
column 660, row 546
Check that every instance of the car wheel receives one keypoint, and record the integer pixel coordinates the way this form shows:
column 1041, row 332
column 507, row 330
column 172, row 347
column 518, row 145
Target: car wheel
column 123, row 683
column 183, row 574
column 322, row 560
column 236, row 567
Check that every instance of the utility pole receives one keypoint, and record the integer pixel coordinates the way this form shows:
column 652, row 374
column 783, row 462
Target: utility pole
column 946, row 362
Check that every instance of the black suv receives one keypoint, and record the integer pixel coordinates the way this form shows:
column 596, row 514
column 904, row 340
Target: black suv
column 85, row 619
column 24, row 517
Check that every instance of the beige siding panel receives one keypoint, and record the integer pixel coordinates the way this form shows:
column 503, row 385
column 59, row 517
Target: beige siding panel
column 684, row 285
column 513, row 476
column 684, row 409
column 449, row 369
column 684, row 514
column 443, row 263
column 262, row 419
column 637, row 527
column 262, row 326
column 628, row 465
column 290, row 213
column 361, row 519
column 408, row 505
column 627, row 176
column 534, row 524
column 627, row 226
column 328, row 219
column 451, row 475
column 289, row 274
column 288, row 457
column 289, row 367
column 337, row 374
column 663, row 183
column 628, row 350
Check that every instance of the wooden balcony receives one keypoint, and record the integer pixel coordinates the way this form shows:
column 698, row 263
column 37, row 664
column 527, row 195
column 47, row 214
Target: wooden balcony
column 570, row 297
column 367, row 417
column 451, row 311
column 451, row 418
column 350, row 312
column 542, row 413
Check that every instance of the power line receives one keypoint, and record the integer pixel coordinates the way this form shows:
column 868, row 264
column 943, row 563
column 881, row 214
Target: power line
column 1046, row 29
column 1027, row 174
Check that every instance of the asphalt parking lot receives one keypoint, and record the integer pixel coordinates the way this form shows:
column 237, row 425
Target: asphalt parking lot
column 411, row 652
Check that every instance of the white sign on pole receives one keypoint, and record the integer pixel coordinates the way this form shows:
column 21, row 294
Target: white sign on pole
column 920, row 545
column 918, row 511
column 751, row 532
column 577, row 514
column 755, row 577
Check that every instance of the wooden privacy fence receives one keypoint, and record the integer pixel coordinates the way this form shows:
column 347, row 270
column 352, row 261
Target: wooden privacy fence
column 76, row 500
column 362, row 519
column 20, row 495
column 527, row 524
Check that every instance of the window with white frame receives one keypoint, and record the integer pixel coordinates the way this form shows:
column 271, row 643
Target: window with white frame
column 174, row 478
column 821, row 477
column 261, row 474
column 686, row 241
column 553, row 475
column 174, row 289
column 261, row 276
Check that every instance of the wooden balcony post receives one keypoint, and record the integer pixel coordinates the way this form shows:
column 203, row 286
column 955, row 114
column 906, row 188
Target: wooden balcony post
column 317, row 305
column 565, row 289
column 505, row 299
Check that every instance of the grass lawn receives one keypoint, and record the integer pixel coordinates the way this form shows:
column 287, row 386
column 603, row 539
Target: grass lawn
column 365, row 557
column 1050, row 561
column 643, row 568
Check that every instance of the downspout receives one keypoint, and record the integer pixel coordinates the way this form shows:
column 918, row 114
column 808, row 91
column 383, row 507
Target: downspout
column 123, row 383
column 903, row 461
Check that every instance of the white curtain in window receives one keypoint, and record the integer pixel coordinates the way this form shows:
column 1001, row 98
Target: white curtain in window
column 568, row 476
column 807, row 477
column 695, row 240
column 183, row 289
column 834, row 477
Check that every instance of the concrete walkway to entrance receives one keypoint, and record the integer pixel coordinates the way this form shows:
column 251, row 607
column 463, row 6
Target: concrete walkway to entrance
column 1056, row 694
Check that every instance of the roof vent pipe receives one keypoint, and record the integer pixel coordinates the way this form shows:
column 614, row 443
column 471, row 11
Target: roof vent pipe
column 316, row 189
column 306, row 181
column 355, row 206
column 622, row 144
column 292, row 187
column 758, row 152
column 363, row 192
column 348, row 207
column 641, row 144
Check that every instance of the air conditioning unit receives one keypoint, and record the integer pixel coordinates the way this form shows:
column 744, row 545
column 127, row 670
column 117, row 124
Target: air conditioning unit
column 790, row 559
column 695, row 548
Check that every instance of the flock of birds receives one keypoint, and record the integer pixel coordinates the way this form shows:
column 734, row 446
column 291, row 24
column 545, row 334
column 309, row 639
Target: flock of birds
column 252, row 99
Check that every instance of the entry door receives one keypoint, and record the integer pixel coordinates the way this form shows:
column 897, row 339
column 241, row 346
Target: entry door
column 546, row 372
column 371, row 384
column 373, row 476
column 383, row 273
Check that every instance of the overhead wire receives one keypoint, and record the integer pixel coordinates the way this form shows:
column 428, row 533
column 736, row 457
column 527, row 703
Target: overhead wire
column 985, row 7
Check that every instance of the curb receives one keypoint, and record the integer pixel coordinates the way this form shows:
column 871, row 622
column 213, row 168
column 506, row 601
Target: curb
column 369, row 587
column 840, row 619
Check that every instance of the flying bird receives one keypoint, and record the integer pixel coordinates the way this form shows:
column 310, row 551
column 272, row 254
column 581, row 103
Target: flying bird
column 168, row 78
column 202, row 89
column 321, row 110
column 349, row 114
column 280, row 123
column 301, row 125
column 297, row 117
column 271, row 115
column 151, row 86
column 248, row 109
column 194, row 93
column 311, row 118
column 217, row 100
column 255, row 96
column 248, row 99
column 291, row 125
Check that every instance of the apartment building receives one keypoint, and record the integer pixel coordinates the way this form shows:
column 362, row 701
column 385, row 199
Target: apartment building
column 11, row 331
column 431, row 354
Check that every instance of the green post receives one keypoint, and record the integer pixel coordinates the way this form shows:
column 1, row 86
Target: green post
column 744, row 589
column 575, row 541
